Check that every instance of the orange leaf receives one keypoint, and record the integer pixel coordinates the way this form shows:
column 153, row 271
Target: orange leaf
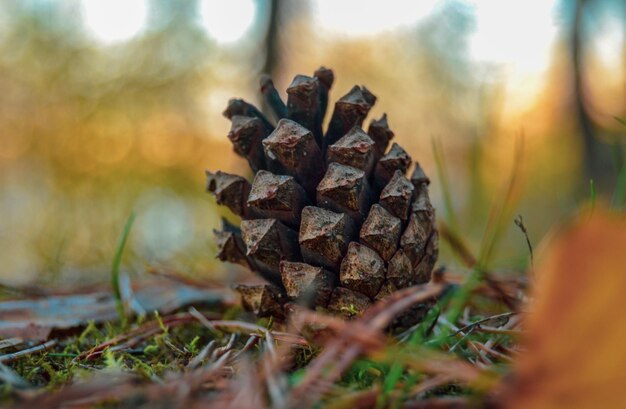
column 576, row 345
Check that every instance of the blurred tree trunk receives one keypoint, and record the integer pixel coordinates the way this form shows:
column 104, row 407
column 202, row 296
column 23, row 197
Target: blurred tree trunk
column 272, row 39
column 272, row 45
column 582, row 115
column 597, row 155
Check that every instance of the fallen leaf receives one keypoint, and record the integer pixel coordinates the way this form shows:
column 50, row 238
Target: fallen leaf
column 576, row 344
column 33, row 319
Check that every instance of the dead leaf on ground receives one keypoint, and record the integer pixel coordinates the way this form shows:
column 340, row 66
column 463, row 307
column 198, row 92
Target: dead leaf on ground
column 576, row 343
column 33, row 319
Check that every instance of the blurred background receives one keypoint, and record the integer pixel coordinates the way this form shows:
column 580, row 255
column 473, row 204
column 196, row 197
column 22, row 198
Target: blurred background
column 113, row 107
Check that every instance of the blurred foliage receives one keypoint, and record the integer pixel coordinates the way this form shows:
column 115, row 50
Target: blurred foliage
column 90, row 132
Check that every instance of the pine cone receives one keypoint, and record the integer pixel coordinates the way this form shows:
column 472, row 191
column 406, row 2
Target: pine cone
column 330, row 220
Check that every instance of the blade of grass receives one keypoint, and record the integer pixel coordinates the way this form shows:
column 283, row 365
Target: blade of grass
column 620, row 120
column 592, row 194
column 397, row 368
column 444, row 183
column 456, row 243
column 389, row 384
column 500, row 212
column 115, row 268
column 519, row 222
column 619, row 194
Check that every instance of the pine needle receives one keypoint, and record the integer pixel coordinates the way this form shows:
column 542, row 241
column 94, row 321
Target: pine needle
column 619, row 194
column 115, row 269
column 497, row 221
column 444, row 183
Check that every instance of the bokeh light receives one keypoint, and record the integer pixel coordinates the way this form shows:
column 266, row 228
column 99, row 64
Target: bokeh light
column 519, row 34
column 227, row 21
column 609, row 42
column 369, row 17
column 112, row 21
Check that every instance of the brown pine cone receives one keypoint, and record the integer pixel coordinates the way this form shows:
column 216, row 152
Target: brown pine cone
column 330, row 220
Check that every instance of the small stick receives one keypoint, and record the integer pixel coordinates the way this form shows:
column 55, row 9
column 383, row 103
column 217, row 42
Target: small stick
column 7, row 358
column 374, row 319
column 202, row 355
column 493, row 352
column 136, row 335
column 269, row 335
column 272, row 97
column 463, row 337
column 486, row 319
column 252, row 341
column 220, row 351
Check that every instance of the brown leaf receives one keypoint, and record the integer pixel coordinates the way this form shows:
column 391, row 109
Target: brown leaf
column 576, row 343
column 33, row 319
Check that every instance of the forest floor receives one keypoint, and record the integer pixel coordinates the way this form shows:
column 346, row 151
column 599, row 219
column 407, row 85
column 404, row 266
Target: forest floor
column 172, row 342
